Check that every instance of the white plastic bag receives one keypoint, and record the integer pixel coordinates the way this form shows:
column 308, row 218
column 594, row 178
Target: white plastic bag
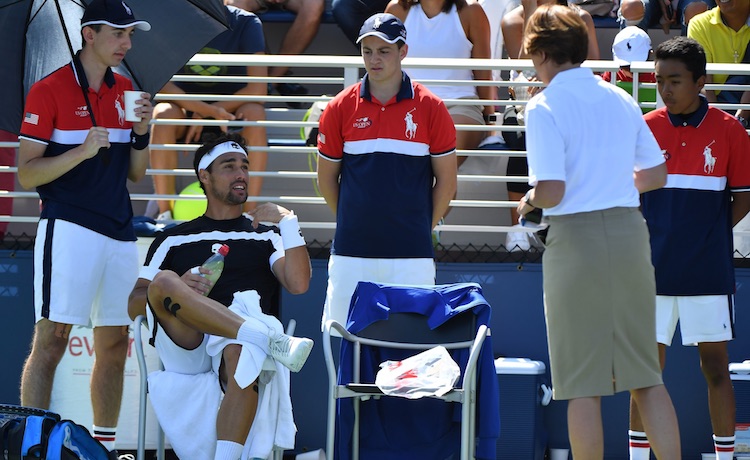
column 430, row 373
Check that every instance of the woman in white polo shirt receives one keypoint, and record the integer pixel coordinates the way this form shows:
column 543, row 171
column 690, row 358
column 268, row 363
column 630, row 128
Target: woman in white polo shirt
column 590, row 154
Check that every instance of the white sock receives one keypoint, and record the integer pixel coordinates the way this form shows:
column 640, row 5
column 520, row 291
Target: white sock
column 249, row 334
column 228, row 450
column 105, row 435
column 639, row 447
column 724, row 447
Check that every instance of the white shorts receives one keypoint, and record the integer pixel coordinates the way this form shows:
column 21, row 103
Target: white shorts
column 345, row 272
column 82, row 277
column 703, row 318
column 175, row 358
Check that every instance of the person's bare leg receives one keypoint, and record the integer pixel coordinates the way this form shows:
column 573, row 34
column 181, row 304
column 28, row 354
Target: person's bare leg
column 635, row 419
column 636, row 423
column 110, row 347
column 632, row 11
column 238, row 407
column 170, row 296
column 302, row 31
column 255, row 137
column 657, row 413
column 165, row 159
column 585, row 428
column 715, row 366
column 39, row 369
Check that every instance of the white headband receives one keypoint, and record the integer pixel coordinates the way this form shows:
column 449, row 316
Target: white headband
column 219, row 150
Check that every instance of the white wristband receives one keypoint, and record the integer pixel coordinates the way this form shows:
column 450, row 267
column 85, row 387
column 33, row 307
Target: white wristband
column 291, row 235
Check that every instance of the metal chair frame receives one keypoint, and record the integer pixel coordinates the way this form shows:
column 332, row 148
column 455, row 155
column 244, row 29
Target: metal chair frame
column 379, row 334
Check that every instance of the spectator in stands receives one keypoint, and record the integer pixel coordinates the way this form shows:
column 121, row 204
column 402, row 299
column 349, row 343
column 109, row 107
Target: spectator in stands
column 351, row 14
column 632, row 44
column 260, row 260
column 513, row 27
column 450, row 29
column 299, row 36
column 386, row 160
column 495, row 11
column 245, row 36
column 669, row 13
column 513, row 31
column 85, row 257
column 725, row 36
column 599, row 295
column 691, row 220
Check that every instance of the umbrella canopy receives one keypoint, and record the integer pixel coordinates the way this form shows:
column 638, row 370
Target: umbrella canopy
column 40, row 36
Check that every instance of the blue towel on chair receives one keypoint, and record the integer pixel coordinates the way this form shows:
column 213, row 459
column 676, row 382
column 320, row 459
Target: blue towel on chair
column 406, row 429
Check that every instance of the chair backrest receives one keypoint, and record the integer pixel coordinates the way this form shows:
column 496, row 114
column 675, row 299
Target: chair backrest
column 413, row 328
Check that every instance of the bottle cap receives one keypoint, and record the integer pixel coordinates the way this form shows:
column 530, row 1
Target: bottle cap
column 224, row 250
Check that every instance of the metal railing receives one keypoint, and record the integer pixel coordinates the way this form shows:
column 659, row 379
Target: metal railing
column 339, row 72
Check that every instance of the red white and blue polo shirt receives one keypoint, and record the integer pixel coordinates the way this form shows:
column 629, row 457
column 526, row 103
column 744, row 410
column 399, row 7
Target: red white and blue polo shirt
column 93, row 194
column 708, row 158
column 385, row 150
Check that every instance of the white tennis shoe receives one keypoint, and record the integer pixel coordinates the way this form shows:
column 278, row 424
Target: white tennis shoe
column 291, row 352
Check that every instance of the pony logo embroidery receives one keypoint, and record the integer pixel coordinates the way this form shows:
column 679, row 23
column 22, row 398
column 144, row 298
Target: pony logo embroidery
column 411, row 127
column 120, row 110
column 709, row 161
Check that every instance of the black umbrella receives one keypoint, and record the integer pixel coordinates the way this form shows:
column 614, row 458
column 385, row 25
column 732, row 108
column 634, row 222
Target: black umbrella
column 40, row 36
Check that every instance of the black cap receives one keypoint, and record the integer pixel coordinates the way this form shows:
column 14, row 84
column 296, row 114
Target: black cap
column 114, row 13
column 385, row 26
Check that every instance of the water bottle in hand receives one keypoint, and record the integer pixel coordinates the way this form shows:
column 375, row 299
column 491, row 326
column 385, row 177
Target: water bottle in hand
column 215, row 264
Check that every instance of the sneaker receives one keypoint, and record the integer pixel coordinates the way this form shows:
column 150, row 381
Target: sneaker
column 166, row 216
column 517, row 241
column 292, row 352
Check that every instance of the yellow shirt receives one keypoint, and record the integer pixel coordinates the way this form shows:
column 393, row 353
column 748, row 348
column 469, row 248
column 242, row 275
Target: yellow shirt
column 722, row 44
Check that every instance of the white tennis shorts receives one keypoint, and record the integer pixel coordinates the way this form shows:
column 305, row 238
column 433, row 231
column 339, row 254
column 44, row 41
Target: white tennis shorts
column 703, row 318
column 175, row 358
column 345, row 272
column 82, row 277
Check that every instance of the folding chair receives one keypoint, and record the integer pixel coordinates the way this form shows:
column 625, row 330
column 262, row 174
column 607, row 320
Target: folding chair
column 278, row 454
column 405, row 319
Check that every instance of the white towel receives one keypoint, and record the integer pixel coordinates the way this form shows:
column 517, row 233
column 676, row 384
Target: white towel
column 191, row 427
column 274, row 421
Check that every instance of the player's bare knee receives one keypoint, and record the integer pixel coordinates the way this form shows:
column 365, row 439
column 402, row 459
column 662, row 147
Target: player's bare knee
column 632, row 10
column 159, row 292
column 714, row 372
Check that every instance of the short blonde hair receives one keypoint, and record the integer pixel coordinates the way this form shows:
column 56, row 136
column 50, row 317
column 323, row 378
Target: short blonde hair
column 558, row 32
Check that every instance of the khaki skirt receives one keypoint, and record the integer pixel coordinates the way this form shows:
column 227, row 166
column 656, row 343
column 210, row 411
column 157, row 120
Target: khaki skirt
column 600, row 304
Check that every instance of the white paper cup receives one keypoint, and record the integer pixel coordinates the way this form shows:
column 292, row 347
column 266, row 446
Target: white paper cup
column 130, row 105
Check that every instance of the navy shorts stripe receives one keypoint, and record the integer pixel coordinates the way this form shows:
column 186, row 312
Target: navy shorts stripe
column 47, row 268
